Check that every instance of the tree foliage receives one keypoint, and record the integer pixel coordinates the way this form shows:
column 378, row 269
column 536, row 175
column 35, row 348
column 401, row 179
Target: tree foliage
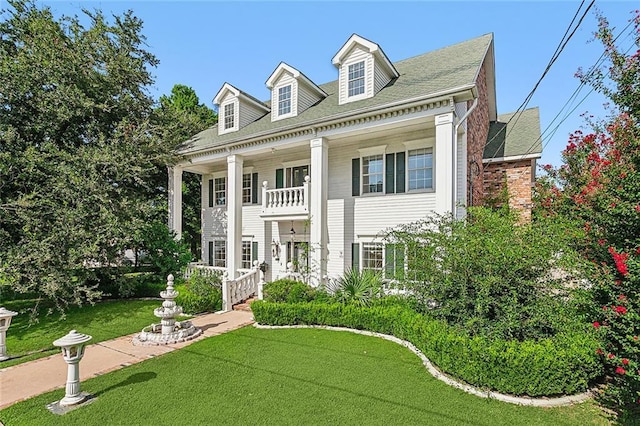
column 79, row 153
column 181, row 115
column 490, row 275
column 599, row 186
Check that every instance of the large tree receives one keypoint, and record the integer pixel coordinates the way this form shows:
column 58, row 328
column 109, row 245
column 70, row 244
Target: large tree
column 181, row 115
column 79, row 155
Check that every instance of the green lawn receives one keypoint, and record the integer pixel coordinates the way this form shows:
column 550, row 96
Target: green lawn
column 287, row 377
column 30, row 340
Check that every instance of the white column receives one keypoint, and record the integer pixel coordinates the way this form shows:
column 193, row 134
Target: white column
column 444, row 167
column 267, row 249
column 318, row 210
column 234, row 214
column 175, row 200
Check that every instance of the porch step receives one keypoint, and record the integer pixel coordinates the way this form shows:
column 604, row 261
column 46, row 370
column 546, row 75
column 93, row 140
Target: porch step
column 245, row 305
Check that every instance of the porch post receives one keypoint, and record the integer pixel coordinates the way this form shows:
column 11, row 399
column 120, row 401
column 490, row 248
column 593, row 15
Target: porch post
column 318, row 211
column 443, row 162
column 267, row 251
column 234, row 214
column 175, row 200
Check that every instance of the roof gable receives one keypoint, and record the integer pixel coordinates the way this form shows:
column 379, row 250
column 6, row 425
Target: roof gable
column 284, row 68
column 514, row 136
column 369, row 47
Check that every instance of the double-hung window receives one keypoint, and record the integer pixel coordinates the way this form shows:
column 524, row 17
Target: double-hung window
column 218, row 253
column 246, row 188
column 372, row 174
column 284, row 100
column 420, row 168
column 220, row 191
column 372, row 258
column 246, row 254
column 356, row 79
column 229, row 116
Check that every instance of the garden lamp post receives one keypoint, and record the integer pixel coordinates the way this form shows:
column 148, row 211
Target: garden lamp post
column 72, row 345
column 5, row 322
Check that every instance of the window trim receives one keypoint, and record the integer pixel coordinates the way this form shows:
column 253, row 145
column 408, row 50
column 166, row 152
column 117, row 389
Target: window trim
column 229, row 120
column 280, row 101
column 408, row 170
column 213, row 243
column 349, row 80
column 370, row 152
column 216, row 191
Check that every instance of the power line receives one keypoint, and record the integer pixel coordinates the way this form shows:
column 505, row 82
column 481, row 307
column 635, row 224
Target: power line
column 575, row 93
column 561, row 45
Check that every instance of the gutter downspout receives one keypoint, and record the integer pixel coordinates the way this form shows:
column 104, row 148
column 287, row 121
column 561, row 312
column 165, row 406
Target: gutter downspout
column 455, row 153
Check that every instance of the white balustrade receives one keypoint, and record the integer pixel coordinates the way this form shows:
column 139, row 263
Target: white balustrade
column 204, row 269
column 241, row 288
column 286, row 201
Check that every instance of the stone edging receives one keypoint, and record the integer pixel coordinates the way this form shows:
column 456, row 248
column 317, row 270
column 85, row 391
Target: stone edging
column 534, row 402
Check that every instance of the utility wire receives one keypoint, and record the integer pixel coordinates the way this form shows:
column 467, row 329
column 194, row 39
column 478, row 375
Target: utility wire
column 574, row 95
column 561, row 45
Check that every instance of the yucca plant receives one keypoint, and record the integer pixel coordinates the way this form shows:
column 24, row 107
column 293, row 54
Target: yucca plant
column 357, row 287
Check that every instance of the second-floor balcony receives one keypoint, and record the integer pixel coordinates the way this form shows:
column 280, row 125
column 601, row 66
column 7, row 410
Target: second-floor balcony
column 286, row 203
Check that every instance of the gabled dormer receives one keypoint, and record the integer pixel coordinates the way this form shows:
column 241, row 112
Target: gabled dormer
column 364, row 69
column 291, row 92
column 236, row 109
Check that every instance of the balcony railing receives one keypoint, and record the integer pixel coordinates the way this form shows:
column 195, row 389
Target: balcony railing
column 286, row 201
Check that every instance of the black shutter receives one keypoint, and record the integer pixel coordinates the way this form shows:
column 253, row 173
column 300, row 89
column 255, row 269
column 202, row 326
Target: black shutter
column 210, row 253
column 400, row 167
column 210, row 192
column 355, row 177
column 390, row 175
column 355, row 256
column 279, row 178
column 399, row 262
column 254, row 188
column 389, row 263
column 254, row 252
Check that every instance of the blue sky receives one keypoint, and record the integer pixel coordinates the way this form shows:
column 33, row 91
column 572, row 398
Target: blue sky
column 203, row 44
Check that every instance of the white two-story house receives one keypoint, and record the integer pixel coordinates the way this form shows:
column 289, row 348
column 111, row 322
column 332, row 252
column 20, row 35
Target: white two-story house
column 316, row 174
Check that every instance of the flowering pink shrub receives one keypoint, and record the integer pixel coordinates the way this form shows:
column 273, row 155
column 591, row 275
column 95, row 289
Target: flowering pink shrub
column 599, row 187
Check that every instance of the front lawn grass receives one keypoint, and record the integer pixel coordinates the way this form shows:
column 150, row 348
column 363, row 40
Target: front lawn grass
column 287, row 377
column 28, row 340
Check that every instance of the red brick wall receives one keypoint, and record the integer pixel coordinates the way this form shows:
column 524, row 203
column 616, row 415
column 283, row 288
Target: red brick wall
column 477, row 133
column 517, row 176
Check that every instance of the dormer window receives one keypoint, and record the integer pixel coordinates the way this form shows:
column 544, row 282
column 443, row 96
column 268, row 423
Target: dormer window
column 229, row 116
column 237, row 109
column 292, row 92
column 356, row 79
column 364, row 70
column 284, row 100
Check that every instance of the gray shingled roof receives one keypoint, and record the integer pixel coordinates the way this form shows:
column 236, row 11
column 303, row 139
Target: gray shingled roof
column 522, row 132
column 430, row 73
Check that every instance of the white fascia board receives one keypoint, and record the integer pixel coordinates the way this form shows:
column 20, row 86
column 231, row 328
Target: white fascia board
column 226, row 87
column 511, row 158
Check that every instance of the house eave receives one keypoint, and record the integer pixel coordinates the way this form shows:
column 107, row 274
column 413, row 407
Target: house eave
column 463, row 93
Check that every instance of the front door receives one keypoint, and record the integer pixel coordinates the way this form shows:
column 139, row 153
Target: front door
column 298, row 256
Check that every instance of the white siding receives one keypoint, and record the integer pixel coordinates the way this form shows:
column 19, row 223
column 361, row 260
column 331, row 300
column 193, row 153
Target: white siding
column 248, row 114
column 339, row 247
column 374, row 215
column 381, row 78
column 228, row 98
column 285, row 79
column 306, row 98
column 356, row 55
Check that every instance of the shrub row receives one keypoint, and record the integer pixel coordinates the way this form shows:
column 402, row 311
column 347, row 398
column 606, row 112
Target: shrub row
column 565, row 364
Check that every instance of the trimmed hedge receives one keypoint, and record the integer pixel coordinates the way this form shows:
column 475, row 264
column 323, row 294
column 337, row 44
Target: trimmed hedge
column 565, row 364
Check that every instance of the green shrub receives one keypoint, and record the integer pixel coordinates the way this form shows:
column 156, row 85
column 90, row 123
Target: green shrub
column 200, row 293
column 287, row 290
column 490, row 274
column 565, row 364
column 355, row 286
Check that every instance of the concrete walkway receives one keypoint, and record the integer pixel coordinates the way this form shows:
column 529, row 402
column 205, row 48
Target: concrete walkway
column 33, row 378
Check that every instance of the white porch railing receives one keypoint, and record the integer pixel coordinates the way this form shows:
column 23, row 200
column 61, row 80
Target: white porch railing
column 285, row 201
column 241, row 288
column 205, row 269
